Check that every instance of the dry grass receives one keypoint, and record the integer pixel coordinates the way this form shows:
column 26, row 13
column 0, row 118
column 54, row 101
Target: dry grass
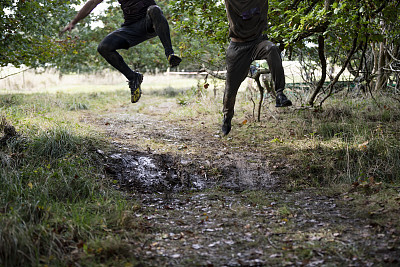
column 51, row 81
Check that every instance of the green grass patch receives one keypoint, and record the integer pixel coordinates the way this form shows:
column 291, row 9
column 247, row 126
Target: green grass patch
column 56, row 207
column 345, row 142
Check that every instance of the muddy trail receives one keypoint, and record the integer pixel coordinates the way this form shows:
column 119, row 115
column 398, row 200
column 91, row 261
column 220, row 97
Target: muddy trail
column 204, row 202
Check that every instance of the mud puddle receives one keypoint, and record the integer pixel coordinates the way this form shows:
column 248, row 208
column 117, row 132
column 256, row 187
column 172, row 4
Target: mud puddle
column 146, row 172
column 154, row 173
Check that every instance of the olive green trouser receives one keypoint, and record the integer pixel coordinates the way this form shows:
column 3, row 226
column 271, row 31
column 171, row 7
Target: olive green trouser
column 239, row 56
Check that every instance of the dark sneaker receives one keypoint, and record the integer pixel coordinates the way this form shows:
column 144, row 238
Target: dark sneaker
column 174, row 60
column 134, row 85
column 226, row 126
column 282, row 101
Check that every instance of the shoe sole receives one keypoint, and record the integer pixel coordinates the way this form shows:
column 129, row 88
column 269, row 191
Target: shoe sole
column 137, row 93
column 174, row 61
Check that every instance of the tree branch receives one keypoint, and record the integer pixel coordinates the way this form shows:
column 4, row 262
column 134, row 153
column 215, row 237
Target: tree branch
column 382, row 7
column 12, row 74
column 336, row 79
column 213, row 73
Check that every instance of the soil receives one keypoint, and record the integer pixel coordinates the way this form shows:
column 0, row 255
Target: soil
column 208, row 203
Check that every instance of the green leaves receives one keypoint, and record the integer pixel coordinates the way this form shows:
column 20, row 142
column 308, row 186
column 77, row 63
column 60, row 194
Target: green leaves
column 198, row 27
column 30, row 30
column 204, row 27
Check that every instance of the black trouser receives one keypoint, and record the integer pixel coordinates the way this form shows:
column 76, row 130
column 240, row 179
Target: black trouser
column 238, row 59
column 154, row 24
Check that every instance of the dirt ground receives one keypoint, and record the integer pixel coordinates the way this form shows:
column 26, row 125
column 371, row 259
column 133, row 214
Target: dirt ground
column 205, row 202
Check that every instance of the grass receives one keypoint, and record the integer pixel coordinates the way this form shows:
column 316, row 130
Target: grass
column 53, row 196
column 57, row 206
column 343, row 143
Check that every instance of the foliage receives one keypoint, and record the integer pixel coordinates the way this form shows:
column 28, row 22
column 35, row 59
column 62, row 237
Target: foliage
column 204, row 27
column 346, row 28
column 81, row 52
column 362, row 37
column 30, row 29
column 345, row 31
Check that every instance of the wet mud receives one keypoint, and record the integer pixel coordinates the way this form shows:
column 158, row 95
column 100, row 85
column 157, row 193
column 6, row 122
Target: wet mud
column 142, row 172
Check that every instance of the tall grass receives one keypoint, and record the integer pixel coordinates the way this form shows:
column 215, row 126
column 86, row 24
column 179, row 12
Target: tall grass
column 54, row 200
column 345, row 142
column 37, row 172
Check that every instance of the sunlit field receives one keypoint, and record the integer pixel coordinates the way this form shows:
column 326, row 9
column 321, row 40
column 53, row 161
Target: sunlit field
column 51, row 81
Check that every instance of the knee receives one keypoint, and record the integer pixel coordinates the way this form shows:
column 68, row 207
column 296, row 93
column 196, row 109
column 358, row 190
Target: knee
column 273, row 52
column 273, row 49
column 106, row 46
column 154, row 10
column 103, row 48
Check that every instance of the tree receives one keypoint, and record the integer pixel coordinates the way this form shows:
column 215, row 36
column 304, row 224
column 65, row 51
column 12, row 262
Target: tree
column 341, row 30
column 204, row 30
column 30, row 29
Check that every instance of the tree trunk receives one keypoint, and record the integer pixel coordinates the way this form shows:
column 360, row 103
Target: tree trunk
column 321, row 54
column 381, row 78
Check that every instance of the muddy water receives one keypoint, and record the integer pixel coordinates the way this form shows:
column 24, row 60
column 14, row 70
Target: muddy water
column 152, row 173
column 149, row 173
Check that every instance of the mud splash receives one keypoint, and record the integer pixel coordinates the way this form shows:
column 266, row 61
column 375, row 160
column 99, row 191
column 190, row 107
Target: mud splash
column 152, row 173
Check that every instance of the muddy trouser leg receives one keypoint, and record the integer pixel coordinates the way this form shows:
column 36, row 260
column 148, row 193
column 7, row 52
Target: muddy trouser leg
column 238, row 60
column 108, row 49
column 155, row 19
column 269, row 51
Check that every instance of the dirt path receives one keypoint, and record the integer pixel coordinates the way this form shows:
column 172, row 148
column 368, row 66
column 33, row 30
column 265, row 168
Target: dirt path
column 208, row 203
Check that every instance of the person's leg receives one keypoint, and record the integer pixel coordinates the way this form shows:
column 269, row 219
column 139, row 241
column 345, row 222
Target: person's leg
column 269, row 51
column 238, row 60
column 108, row 50
column 157, row 22
column 124, row 38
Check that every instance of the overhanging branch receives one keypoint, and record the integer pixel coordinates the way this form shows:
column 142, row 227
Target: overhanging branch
column 12, row 74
